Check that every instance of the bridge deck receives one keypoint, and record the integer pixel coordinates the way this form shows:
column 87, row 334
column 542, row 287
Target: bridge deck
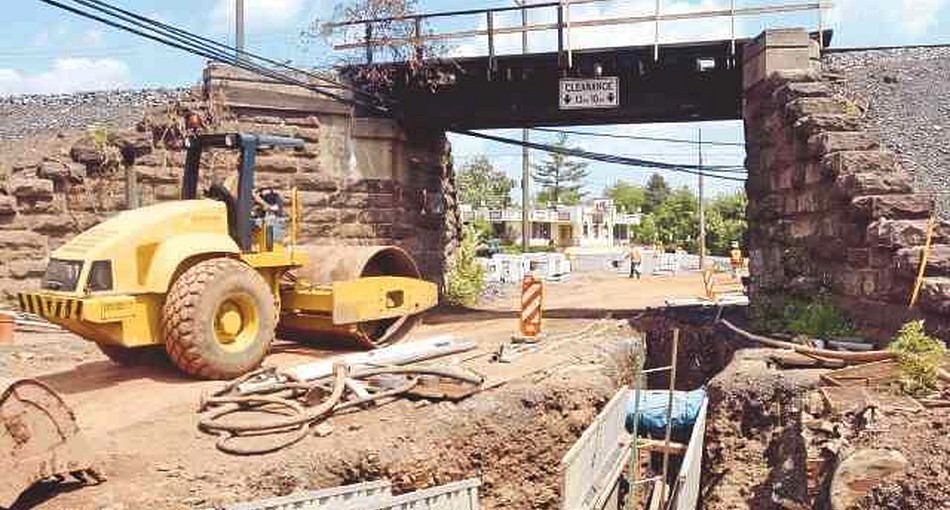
column 689, row 82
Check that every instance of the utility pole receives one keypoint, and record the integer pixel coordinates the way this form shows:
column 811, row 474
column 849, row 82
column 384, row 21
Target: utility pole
column 525, row 164
column 702, row 208
column 239, row 27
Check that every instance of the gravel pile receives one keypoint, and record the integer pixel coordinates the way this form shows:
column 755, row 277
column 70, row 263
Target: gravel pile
column 907, row 95
column 27, row 115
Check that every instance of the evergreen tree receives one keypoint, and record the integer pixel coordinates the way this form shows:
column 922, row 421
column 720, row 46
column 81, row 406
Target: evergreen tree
column 656, row 192
column 560, row 178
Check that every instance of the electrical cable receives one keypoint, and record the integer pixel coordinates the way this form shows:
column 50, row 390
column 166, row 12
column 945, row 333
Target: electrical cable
column 229, row 55
column 607, row 158
column 231, row 49
column 637, row 137
column 214, row 55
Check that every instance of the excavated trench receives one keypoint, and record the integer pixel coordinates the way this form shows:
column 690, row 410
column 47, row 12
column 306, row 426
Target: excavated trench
column 756, row 456
column 760, row 450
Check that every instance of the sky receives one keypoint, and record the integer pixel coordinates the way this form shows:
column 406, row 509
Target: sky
column 46, row 50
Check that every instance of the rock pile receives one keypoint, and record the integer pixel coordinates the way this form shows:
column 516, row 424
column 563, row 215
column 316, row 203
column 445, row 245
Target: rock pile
column 904, row 95
column 26, row 115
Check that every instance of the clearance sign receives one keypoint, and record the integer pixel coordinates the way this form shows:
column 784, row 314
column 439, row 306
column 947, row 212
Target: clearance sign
column 581, row 93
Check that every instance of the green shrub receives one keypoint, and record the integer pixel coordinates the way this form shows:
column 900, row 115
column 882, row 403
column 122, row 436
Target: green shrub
column 483, row 228
column 919, row 356
column 816, row 319
column 465, row 278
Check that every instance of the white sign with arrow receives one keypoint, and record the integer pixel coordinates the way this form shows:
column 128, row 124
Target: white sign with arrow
column 584, row 93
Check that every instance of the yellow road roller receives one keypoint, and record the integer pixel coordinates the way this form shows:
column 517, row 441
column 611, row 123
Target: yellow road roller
column 214, row 277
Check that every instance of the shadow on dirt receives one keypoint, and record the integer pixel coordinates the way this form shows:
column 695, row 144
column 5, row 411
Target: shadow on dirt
column 44, row 491
column 453, row 315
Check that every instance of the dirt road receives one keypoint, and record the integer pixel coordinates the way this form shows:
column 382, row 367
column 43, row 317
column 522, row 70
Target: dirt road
column 142, row 420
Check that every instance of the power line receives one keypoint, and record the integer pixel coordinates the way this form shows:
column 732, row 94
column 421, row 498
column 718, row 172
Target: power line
column 706, row 169
column 634, row 137
column 607, row 158
column 104, row 6
column 201, row 46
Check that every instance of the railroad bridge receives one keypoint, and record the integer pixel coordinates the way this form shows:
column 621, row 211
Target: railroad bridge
column 831, row 212
column 677, row 82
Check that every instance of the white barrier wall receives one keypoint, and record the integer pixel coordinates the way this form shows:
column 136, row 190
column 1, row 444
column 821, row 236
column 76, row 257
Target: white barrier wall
column 686, row 493
column 504, row 268
column 590, row 469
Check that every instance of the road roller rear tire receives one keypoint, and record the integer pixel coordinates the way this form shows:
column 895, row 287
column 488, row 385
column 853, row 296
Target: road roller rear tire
column 218, row 319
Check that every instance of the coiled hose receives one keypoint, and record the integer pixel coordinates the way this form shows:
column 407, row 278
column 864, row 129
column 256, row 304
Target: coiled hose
column 288, row 401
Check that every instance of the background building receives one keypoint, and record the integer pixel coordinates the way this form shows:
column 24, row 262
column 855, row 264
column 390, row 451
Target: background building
column 592, row 223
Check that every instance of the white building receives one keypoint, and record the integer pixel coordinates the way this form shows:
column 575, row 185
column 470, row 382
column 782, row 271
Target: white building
column 593, row 223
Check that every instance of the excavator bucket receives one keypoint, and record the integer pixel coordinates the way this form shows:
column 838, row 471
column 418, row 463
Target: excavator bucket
column 39, row 440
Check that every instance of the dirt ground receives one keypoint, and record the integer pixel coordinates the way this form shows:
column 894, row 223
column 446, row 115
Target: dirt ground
column 142, row 421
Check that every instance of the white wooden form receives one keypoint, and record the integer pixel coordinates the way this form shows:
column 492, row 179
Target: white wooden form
column 461, row 495
column 323, row 499
column 590, row 469
column 376, row 495
column 686, row 494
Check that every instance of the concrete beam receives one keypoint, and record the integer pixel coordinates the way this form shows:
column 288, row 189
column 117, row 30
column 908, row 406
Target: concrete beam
column 244, row 89
column 778, row 50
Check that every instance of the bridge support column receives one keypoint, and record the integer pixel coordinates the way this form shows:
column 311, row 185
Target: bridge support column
column 831, row 214
column 774, row 53
column 778, row 50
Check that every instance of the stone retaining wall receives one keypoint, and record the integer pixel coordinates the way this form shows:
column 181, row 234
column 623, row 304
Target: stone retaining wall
column 361, row 181
column 832, row 213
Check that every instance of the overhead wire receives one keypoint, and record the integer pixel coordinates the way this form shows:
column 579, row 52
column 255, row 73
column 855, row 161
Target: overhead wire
column 707, row 171
column 230, row 49
column 198, row 45
column 188, row 44
column 639, row 137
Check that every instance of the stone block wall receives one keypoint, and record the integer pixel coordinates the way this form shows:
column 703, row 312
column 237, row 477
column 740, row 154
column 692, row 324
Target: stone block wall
column 361, row 181
column 831, row 212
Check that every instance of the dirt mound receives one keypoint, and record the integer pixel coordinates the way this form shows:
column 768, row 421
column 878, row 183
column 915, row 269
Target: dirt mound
column 755, row 451
column 924, row 438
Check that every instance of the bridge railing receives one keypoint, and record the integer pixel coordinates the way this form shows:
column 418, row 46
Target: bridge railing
column 414, row 33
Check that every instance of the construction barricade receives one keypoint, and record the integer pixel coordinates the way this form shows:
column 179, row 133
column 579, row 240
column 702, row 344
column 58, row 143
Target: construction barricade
column 532, row 297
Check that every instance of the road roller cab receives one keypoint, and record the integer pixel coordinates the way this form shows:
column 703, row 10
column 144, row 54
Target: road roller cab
column 213, row 275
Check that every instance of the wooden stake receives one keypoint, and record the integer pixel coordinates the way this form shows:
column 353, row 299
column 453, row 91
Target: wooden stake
column 923, row 261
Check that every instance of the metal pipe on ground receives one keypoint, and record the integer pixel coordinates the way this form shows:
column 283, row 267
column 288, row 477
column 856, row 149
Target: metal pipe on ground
column 853, row 357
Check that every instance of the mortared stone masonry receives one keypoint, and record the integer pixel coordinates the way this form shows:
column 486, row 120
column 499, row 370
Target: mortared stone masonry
column 361, row 181
column 831, row 212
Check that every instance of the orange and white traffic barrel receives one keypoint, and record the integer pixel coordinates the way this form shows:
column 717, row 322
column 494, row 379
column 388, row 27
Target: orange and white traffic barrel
column 532, row 294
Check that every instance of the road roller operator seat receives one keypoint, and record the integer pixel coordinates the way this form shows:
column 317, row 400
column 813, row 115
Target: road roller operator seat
column 251, row 210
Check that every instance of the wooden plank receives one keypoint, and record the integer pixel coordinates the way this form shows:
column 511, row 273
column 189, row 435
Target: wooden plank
column 849, row 399
column 655, row 445
column 845, row 399
column 797, row 360
column 868, row 374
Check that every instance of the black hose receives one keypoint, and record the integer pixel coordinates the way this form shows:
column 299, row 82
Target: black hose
column 295, row 418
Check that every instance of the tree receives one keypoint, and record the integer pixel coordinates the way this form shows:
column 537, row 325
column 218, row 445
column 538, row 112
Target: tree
column 725, row 222
column 626, row 196
column 677, row 219
column 560, row 177
column 481, row 184
column 567, row 197
column 646, row 232
column 656, row 192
